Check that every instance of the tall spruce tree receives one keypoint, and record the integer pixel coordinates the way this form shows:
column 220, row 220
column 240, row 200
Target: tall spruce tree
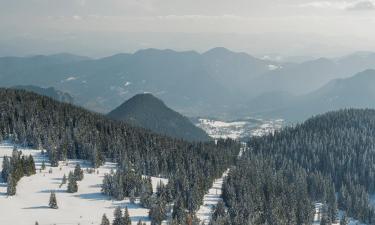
column 105, row 220
column 127, row 220
column 72, row 183
column 78, row 172
column 11, row 186
column 118, row 219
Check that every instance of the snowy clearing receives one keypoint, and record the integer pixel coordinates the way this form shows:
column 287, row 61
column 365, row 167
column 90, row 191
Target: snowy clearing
column 85, row 207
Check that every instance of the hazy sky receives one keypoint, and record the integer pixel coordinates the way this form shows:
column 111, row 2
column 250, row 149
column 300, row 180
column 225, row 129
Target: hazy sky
column 100, row 27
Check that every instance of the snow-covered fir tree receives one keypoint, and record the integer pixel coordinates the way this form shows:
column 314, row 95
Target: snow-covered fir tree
column 53, row 201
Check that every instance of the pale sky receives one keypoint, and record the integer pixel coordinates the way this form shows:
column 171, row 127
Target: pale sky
column 102, row 27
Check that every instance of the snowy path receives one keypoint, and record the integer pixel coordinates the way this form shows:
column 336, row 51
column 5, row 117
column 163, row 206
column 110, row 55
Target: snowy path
column 212, row 198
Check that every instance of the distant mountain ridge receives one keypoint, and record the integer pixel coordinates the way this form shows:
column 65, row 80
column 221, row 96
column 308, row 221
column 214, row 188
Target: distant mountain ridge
column 147, row 111
column 354, row 92
column 213, row 83
column 49, row 92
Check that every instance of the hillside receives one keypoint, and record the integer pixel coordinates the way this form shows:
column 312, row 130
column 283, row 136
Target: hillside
column 328, row 159
column 49, row 92
column 147, row 111
column 66, row 131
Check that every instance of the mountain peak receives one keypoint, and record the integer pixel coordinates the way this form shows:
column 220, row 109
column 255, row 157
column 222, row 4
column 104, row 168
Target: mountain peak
column 147, row 111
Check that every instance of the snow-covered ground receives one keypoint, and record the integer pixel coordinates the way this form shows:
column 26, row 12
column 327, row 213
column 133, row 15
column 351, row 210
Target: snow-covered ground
column 85, row 207
column 239, row 129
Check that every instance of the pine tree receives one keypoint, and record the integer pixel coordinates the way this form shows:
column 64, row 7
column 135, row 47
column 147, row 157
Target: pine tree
column 105, row 220
column 344, row 220
column 6, row 168
column 118, row 219
column 52, row 201
column 78, row 172
column 63, row 181
column 43, row 167
column 11, row 186
column 53, row 157
column 219, row 210
column 72, row 183
column 127, row 220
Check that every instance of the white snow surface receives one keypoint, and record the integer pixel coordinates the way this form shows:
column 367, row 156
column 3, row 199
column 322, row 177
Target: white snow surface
column 85, row 207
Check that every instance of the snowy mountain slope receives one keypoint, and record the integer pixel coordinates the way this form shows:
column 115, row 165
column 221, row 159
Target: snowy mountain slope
column 84, row 207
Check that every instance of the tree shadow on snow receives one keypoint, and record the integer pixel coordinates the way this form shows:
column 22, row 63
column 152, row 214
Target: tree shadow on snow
column 56, row 191
column 37, row 207
column 93, row 196
column 126, row 204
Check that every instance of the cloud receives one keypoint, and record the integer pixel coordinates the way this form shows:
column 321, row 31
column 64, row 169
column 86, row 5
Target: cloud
column 341, row 5
column 362, row 5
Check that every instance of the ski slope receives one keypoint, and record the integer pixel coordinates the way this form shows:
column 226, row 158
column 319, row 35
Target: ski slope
column 85, row 207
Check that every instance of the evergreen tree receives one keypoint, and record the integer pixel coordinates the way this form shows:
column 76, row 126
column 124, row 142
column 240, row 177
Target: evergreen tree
column 63, row 180
column 344, row 220
column 43, row 167
column 118, row 219
column 78, row 172
column 219, row 210
column 127, row 220
column 52, row 201
column 72, row 183
column 105, row 220
column 6, row 168
column 11, row 186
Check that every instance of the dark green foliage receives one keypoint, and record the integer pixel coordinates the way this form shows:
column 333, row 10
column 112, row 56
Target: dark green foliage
column 72, row 183
column 78, row 172
column 52, row 201
column 118, row 219
column 344, row 220
column 11, row 186
column 219, row 211
column 15, row 167
column 105, row 220
column 127, row 220
column 6, row 170
column 157, row 213
column 63, row 180
column 282, row 174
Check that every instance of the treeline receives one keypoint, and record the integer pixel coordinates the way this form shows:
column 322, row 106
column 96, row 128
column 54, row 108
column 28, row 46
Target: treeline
column 284, row 174
column 67, row 131
column 15, row 167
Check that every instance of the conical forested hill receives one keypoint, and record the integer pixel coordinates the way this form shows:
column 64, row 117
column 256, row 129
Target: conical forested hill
column 147, row 111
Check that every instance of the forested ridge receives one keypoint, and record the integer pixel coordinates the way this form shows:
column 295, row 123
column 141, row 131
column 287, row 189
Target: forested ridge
column 330, row 159
column 67, row 131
